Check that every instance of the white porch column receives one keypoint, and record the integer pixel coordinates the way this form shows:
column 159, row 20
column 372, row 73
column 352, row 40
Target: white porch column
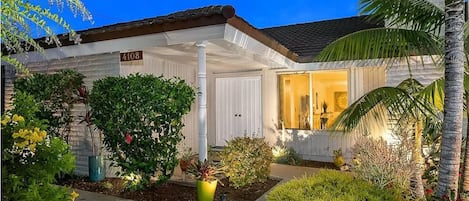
column 202, row 76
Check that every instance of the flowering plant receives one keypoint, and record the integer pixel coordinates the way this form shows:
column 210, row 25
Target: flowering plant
column 30, row 157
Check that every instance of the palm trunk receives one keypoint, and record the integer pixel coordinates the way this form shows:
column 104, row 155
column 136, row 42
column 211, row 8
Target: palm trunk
column 453, row 104
column 465, row 184
column 417, row 159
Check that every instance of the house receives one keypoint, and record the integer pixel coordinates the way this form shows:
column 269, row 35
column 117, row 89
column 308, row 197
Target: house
column 252, row 81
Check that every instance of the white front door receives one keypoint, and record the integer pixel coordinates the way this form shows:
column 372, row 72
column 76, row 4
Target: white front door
column 238, row 108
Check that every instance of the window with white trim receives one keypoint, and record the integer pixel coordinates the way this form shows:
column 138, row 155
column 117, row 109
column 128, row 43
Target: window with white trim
column 312, row 100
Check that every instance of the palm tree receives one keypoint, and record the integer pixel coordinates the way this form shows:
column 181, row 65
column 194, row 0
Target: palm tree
column 409, row 102
column 423, row 21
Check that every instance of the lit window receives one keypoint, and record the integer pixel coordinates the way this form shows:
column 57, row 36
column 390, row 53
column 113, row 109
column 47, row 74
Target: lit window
column 312, row 100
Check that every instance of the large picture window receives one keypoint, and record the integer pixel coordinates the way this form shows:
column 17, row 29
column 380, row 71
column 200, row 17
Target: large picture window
column 312, row 100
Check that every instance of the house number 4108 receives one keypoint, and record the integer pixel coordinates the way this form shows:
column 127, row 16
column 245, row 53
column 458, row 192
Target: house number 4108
column 132, row 56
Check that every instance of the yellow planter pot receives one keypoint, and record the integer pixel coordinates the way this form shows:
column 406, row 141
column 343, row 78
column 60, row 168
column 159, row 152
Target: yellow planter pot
column 206, row 190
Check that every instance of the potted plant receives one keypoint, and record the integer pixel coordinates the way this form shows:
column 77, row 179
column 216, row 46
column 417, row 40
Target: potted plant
column 186, row 160
column 96, row 166
column 207, row 175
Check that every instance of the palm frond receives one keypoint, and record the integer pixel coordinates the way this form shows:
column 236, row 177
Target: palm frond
column 434, row 93
column 413, row 14
column 384, row 44
column 375, row 106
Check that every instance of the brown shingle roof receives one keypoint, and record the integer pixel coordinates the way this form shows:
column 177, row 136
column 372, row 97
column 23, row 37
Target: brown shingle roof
column 308, row 39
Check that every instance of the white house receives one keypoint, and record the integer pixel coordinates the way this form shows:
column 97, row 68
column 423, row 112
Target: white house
column 252, row 79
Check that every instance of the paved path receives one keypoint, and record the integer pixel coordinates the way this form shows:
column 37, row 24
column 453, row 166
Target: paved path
column 284, row 172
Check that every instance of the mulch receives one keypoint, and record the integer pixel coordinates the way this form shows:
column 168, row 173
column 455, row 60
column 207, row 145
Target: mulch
column 169, row 191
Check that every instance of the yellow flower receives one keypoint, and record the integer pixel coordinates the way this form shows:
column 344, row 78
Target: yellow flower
column 18, row 118
column 5, row 120
column 74, row 195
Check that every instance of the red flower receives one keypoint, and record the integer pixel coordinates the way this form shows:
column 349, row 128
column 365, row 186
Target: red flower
column 128, row 138
column 428, row 191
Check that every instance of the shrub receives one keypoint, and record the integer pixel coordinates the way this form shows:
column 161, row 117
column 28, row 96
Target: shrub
column 383, row 165
column 284, row 155
column 56, row 94
column 30, row 157
column 141, row 120
column 330, row 185
column 247, row 160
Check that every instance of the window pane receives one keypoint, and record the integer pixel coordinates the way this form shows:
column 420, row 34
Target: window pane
column 294, row 100
column 330, row 91
column 328, row 97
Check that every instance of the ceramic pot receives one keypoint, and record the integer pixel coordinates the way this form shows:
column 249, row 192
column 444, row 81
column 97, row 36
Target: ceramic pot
column 206, row 190
column 96, row 168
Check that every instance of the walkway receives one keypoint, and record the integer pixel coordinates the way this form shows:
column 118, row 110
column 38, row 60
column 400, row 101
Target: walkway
column 284, row 172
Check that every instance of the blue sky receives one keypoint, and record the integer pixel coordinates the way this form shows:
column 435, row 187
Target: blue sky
column 260, row 14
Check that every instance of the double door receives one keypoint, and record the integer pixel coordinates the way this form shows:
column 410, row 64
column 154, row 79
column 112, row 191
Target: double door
column 238, row 108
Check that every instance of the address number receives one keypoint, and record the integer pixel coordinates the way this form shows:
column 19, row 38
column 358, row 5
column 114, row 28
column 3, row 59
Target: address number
column 132, row 56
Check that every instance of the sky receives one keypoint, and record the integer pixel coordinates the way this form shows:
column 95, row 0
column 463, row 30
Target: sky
column 260, row 14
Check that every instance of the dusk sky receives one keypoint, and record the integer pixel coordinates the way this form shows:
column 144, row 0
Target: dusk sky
column 260, row 14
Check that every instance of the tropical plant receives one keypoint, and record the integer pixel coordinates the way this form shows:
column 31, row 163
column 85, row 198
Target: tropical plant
column 18, row 18
column 285, row 155
column 247, row 160
column 82, row 93
column 56, row 95
column 31, row 159
column 206, row 171
column 141, row 120
column 330, row 185
column 415, row 30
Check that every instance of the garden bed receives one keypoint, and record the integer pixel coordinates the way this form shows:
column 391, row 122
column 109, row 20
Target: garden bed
column 169, row 191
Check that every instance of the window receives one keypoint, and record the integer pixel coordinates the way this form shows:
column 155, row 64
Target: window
column 312, row 100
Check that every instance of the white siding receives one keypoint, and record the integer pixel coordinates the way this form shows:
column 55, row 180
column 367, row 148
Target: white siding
column 425, row 74
column 93, row 67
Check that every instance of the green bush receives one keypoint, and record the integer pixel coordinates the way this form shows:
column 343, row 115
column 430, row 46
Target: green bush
column 330, row 185
column 141, row 120
column 56, row 94
column 284, row 155
column 30, row 157
column 247, row 160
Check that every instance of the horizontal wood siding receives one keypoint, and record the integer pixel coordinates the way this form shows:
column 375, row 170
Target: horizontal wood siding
column 93, row 67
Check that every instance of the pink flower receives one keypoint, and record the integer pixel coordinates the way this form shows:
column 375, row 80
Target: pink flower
column 128, row 138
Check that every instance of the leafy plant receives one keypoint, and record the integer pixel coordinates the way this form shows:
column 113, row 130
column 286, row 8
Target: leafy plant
column 383, row 165
column 205, row 171
column 247, row 160
column 284, row 155
column 338, row 158
column 141, row 120
column 56, row 95
column 96, row 144
column 30, row 157
column 330, row 185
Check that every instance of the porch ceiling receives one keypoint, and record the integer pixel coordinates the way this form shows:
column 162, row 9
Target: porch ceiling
column 222, row 56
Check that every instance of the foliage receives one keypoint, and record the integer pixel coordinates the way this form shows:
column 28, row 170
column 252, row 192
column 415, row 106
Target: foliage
column 56, row 94
column 205, row 171
column 330, row 185
column 141, row 120
column 247, row 160
column 338, row 158
column 95, row 143
column 283, row 155
column 30, row 158
column 187, row 154
column 383, row 165
column 17, row 18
